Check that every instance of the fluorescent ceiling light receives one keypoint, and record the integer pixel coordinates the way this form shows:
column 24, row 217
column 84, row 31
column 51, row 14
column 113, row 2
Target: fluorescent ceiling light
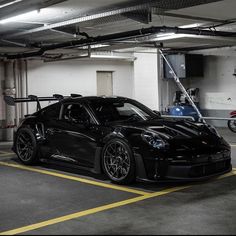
column 195, row 25
column 20, row 18
column 10, row 3
column 129, row 58
column 168, row 37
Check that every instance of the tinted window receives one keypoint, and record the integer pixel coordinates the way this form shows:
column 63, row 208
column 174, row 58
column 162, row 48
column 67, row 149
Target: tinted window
column 53, row 111
column 76, row 113
column 110, row 111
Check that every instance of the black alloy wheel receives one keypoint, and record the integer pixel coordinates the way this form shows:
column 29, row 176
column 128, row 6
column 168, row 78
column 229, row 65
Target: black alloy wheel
column 232, row 125
column 26, row 146
column 118, row 162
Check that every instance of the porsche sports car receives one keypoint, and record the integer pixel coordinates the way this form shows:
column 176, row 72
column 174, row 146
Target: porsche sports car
column 121, row 138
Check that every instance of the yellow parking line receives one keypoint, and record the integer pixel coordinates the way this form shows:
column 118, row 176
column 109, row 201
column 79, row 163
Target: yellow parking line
column 3, row 152
column 82, row 180
column 91, row 211
column 6, row 154
column 94, row 210
column 232, row 173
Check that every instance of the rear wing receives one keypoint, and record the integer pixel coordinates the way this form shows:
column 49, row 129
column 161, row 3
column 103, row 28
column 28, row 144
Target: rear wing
column 11, row 101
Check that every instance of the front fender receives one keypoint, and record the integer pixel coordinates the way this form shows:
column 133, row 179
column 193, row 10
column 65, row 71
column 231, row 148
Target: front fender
column 134, row 140
column 117, row 133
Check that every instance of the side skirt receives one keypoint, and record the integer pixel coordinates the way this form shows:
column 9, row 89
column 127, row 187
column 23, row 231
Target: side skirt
column 71, row 163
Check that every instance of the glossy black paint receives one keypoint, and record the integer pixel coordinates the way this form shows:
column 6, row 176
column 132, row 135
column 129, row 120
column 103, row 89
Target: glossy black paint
column 193, row 150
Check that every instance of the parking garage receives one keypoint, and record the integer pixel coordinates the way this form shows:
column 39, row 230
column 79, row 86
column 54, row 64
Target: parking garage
column 117, row 117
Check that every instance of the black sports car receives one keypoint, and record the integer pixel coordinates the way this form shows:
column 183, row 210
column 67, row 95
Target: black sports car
column 121, row 138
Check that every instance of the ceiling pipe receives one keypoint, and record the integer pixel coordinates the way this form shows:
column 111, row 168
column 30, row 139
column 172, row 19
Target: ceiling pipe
column 119, row 37
column 160, row 7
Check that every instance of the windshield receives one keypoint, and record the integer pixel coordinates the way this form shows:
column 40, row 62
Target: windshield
column 115, row 111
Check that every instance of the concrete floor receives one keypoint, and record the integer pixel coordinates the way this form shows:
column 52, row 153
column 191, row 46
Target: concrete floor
column 53, row 200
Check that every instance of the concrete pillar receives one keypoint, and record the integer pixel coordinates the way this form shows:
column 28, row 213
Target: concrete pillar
column 20, row 68
column 9, row 91
column 2, row 104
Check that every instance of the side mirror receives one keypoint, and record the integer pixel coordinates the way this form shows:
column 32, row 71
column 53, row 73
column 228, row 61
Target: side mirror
column 157, row 113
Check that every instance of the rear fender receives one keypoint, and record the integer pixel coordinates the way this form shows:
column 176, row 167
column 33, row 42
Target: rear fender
column 36, row 128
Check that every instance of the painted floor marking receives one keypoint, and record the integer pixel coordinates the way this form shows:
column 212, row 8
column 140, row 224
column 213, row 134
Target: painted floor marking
column 81, row 180
column 101, row 209
column 6, row 154
column 90, row 211
column 80, row 214
column 3, row 152
column 232, row 173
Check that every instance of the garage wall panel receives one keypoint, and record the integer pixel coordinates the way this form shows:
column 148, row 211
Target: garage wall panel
column 146, row 79
column 78, row 77
column 218, row 86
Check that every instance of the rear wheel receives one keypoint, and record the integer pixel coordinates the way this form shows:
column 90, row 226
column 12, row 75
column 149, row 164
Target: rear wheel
column 232, row 124
column 26, row 147
column 118, row 162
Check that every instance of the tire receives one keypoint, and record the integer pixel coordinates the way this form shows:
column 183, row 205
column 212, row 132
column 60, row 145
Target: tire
column 118, row 162
column 26, row 146
column 232, row 125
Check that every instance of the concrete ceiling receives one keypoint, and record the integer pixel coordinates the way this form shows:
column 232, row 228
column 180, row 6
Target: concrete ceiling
column 60, row 21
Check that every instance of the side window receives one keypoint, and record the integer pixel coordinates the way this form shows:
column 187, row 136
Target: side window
column 77, row 114
column 52, row 112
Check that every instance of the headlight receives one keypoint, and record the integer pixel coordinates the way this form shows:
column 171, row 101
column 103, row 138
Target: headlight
column 154, row 140
column 214, row 130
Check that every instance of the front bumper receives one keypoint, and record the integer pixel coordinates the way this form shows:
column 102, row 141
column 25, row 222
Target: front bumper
column 198, row 172
column 198, row 168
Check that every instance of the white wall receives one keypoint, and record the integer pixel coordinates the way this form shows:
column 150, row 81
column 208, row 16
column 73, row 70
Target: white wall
column 146, row 79
column 217, row 87
column 218, row 84
column 80, row 77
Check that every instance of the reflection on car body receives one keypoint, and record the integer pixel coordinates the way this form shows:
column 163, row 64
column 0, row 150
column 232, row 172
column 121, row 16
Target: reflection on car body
column 123, row 139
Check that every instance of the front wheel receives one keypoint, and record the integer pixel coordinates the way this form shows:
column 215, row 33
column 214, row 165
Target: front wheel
column 232, row 125
column 118, row 162
column 26, row 146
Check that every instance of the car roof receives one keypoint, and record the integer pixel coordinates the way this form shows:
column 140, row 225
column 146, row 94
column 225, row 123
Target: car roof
column 93, row 98
column 84, row 99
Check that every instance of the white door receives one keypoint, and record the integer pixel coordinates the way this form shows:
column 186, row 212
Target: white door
column 104, row 84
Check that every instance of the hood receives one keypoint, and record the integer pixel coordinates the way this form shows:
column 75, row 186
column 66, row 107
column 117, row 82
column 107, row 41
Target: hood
column 182, row 135
column 171, row 129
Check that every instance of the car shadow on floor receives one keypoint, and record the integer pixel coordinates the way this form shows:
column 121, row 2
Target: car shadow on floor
column 76, row 171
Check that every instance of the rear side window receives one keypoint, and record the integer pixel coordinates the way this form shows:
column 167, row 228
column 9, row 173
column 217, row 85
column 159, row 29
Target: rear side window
column 77, row 114
column 53, row 111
